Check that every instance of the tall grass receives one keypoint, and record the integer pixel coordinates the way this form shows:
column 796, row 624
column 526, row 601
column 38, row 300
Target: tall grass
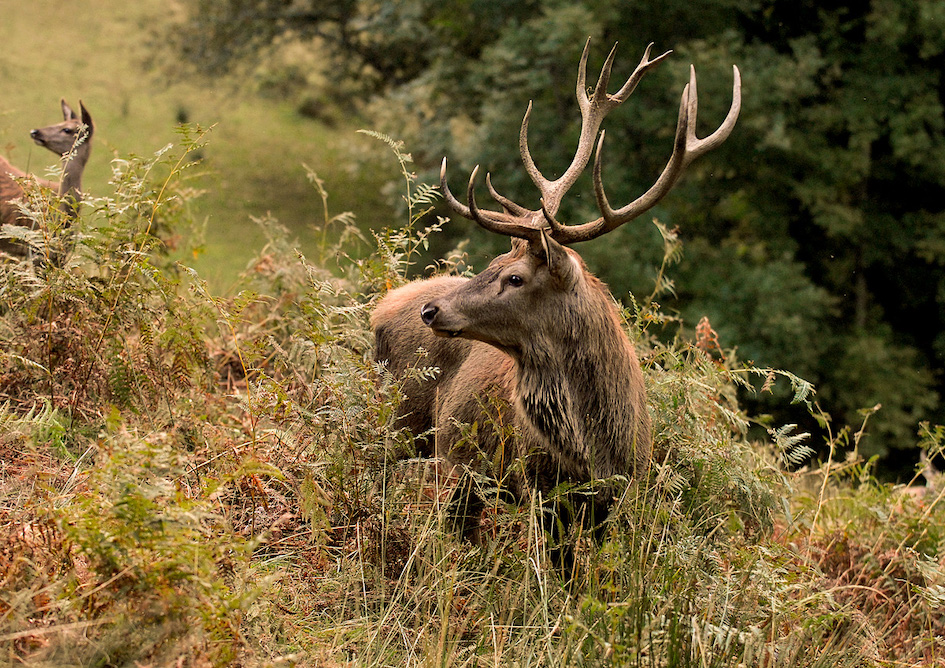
column 191, row 479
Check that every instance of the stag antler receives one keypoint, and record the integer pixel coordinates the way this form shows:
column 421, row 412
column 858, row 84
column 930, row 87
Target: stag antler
column 519, row 221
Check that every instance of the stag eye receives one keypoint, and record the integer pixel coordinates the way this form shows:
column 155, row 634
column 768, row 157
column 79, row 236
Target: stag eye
column 516, row 281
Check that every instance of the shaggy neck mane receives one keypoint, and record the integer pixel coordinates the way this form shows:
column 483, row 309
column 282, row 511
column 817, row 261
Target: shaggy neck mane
column 578, row 387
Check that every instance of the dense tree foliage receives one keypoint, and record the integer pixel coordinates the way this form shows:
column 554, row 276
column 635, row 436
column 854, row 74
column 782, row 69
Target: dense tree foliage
column 814, row 238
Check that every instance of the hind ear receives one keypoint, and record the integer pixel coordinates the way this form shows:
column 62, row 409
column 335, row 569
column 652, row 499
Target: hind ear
column 86, row 118
column 67, row 113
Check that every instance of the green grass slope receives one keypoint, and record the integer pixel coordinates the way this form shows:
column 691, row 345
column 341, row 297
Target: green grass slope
column 97, row 50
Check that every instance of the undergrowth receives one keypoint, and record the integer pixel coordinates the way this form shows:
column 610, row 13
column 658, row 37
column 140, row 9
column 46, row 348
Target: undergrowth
column 190, row 479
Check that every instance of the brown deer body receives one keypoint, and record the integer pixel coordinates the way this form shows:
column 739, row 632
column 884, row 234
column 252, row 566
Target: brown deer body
column 536, row 328
column 71, row 140
column 399, row 333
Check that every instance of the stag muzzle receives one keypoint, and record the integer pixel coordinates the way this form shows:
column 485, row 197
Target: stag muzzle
column 430, row 313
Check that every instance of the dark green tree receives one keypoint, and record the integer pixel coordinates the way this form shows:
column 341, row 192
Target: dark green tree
column 814, row 238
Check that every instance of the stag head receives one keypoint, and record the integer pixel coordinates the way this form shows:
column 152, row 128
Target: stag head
column 500, row 306
column 494, row 306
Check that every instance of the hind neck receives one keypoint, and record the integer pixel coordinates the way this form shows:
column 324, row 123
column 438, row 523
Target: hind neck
column 73, row 167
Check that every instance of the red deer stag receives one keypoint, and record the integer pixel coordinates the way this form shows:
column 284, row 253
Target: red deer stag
column 536, row 328
column 71, row 140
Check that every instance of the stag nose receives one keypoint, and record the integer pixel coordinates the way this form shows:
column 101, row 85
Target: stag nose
column 428, row 313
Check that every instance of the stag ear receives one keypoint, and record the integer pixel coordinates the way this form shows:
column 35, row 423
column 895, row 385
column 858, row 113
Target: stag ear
column 561, row 265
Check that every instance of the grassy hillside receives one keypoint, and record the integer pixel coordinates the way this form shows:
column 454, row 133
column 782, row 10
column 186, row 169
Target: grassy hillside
column 195, row 480
column 188, row 480
column 96, row 51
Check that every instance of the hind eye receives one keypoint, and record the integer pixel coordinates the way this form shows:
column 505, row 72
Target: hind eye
column 516, row 281
column 68, row 131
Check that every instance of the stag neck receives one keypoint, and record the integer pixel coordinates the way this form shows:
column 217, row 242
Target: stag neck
column 588, row 327
column 585, row 404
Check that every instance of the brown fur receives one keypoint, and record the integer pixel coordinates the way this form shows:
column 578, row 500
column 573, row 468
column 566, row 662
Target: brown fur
column 400, row 333
column 553, row 348
column 71, row 140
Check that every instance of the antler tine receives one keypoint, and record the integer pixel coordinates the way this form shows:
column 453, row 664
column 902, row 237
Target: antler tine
column 530, row 168
column 451, row 201
column 494, row 221
column 580, row 89
column 644, row 66
column 686, row 148
column 701, row 146
column 510, row 206
column 600, row 90
column 556, row 227
column 510, row 223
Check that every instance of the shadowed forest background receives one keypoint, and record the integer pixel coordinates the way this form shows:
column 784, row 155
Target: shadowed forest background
column 814, row 240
